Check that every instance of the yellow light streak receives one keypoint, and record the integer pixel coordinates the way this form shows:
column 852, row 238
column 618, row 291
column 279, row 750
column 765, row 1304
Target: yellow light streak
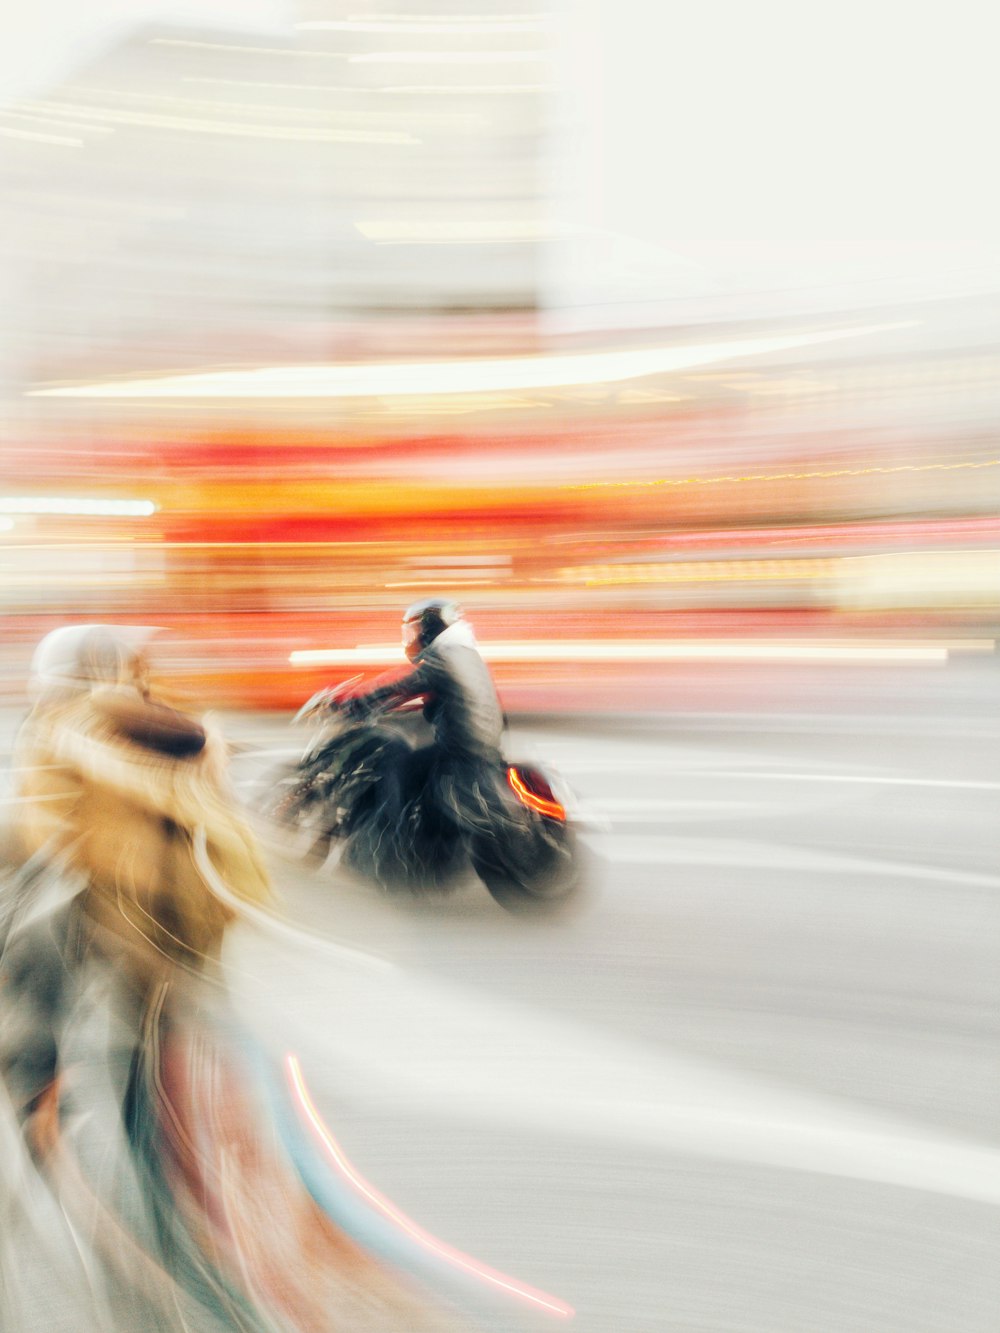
column 701, row 571
column 782, row 476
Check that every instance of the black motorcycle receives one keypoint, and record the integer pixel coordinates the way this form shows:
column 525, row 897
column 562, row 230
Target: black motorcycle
column 391, row 807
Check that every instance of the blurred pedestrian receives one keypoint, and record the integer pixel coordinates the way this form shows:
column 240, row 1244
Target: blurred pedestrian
column 123, row 801
column 112, row 786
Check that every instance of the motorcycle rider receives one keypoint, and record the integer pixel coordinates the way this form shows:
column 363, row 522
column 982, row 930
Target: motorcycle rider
column 449, row 673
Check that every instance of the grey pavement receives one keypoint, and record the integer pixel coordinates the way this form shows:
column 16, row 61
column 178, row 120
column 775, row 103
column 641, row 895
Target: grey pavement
column 749, row 1084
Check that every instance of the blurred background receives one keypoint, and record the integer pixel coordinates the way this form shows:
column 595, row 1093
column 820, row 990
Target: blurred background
column 667, row 340
column 646, row 337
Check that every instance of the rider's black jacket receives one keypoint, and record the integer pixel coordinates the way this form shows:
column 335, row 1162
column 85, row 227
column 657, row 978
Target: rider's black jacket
column 460, row 698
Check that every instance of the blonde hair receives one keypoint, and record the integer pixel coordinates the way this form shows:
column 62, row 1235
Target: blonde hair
column 125, row 817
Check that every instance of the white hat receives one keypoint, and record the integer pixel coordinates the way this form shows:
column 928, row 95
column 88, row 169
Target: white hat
column 61, row 659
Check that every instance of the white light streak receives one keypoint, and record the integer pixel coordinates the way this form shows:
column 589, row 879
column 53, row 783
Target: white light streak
column 24, row 114
column 255, row 50
column 246, row 129
column 769, row 775
column 6, row 524
column 428, row 26
column 446, row 57
column 447, row 18
column 262, row 83
column 75, row 506
column 465, row 119
column 468, row 89
column 657, row 650
column 36, row 136
column 454, row 231
column 426, row 379
column 469, row 120
column 201, row 104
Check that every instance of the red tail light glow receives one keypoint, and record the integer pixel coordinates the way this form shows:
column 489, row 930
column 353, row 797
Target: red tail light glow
column 542, row 804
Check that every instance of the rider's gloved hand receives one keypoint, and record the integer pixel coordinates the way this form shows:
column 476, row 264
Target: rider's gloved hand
column 357, row 709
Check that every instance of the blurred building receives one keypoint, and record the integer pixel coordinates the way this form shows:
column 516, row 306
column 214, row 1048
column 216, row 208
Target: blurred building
column 302, row 327
column 192, row 197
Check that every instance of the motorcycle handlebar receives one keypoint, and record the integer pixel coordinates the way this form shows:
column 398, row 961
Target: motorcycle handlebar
column 326, row 700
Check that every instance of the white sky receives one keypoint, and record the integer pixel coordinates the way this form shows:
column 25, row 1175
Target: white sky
column 45, row 40
column 774, row 140
column 753, row 140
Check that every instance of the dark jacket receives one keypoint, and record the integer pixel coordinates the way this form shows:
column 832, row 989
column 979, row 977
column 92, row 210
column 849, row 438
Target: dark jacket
column 461, row 701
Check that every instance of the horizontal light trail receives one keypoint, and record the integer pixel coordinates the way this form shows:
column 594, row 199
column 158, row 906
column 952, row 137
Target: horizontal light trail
column 472, row 375
column 682, row 850
column 661, row 650
column 446, row 57
column 665, row 804
column 75, row 506
column 807, row 475
column 474, row 25
column 959, row 784
column 37, row 136
column 71, row 112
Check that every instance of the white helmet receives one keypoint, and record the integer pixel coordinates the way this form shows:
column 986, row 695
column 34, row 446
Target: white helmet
column 77, row 657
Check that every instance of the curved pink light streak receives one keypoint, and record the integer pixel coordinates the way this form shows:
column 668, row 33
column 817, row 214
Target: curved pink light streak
column 385, row 1206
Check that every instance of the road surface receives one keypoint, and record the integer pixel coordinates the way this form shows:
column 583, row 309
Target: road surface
column 750, row 1084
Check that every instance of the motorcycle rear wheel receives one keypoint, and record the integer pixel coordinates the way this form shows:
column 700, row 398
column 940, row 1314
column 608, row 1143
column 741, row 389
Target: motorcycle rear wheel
column 544, row 875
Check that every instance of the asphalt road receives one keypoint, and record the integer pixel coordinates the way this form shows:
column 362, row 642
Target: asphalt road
column 750, row 1083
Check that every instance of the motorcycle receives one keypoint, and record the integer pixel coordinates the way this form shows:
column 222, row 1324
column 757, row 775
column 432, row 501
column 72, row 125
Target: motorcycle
column 518, row 834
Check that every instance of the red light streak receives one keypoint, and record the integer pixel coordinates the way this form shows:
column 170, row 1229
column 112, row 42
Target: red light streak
column 551, row 808
column 385, row 1206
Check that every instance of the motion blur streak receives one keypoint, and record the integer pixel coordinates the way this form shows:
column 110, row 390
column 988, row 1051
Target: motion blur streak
column 447, row 377
column 538, row 1298
column 307, row 133
column 431, row 25
column 40, row 138
column 50, row 504
column 635, row 650
column 793, row 476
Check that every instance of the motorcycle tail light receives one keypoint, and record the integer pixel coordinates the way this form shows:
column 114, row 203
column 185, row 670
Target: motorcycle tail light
column 533, row 791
